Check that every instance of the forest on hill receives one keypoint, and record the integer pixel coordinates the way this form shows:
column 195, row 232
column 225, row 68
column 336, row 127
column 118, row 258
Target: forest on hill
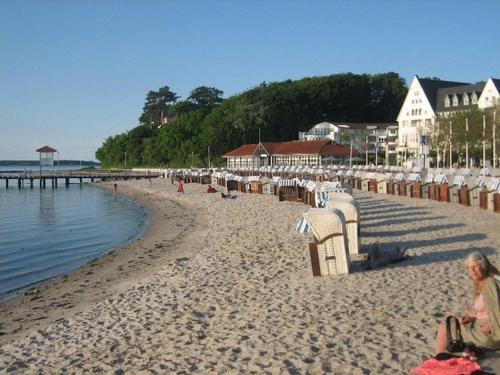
column 206, row 122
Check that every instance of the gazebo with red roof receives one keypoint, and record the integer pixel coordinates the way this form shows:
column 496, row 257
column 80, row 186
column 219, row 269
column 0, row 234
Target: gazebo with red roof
column 46, row 156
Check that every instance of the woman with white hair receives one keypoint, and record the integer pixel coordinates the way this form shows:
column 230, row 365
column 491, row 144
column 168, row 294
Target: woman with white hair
column 481, row 326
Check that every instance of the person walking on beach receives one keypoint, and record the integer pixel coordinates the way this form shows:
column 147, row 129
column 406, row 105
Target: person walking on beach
column 150, row 183
column 115, row 187
column 180, row 188
column 481, row 326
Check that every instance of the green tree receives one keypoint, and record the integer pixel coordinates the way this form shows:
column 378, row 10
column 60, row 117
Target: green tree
column 206, row 97
column 157, row 105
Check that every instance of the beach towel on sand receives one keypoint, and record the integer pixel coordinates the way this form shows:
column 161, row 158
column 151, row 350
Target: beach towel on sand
column 453, row 366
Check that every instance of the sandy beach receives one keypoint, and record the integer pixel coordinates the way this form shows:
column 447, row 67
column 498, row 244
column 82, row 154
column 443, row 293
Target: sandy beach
column 225, row 286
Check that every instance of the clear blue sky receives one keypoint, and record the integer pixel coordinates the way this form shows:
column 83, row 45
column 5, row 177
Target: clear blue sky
column 74, row 72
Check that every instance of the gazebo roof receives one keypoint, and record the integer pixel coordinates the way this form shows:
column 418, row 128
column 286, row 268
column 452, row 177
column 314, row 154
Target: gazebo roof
column 46, row 149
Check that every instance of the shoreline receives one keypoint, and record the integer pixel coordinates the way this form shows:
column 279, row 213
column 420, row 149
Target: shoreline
column 30, row 289
column 52, row 300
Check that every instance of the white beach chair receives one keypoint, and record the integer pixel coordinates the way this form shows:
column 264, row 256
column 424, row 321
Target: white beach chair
column 329, row 254
column 351, row 215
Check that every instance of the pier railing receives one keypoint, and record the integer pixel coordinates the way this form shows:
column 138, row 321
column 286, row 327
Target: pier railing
column 97, row 173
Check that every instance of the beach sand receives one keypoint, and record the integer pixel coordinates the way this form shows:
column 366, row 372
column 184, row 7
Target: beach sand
column 225, row 286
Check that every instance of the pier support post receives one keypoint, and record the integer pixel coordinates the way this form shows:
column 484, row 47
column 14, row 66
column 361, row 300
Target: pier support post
column 31, row 182
column 67, row 181
column 44, row 183
column 6, row 183
column 19, row 182
column 91, row 179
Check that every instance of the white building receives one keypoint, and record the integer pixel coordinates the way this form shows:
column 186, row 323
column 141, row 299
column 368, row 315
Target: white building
column 372, row 135
column 429, row 98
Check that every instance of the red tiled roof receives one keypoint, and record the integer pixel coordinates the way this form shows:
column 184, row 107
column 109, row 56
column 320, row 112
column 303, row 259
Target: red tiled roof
column 321, row 147
column 336, row 150
column 46, row 149
column 245, row 150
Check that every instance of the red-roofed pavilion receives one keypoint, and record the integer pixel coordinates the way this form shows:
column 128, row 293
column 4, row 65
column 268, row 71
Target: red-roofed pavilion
column 46, row 156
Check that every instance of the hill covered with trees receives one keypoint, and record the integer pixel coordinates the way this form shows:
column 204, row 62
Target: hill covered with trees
column 280, row 110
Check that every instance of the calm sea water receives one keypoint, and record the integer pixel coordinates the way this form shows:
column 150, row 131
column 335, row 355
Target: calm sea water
column 45, row 233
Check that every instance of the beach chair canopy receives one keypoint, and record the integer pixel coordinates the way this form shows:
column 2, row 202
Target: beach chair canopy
column 414, row 177
column 459, row 181
column 311, row 186
column 493, row 184
column 347, row 207
column 329, row 185
column 466, row 172
column 484, row 172
column 399, row 177
column 440, row 179
column 323, row 222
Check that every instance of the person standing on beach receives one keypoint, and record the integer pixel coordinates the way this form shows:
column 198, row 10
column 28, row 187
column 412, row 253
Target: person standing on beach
column 115, row 187
column 180, row 188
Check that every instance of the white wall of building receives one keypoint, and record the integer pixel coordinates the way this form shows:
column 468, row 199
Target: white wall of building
column 415, row 118
column 489, row 97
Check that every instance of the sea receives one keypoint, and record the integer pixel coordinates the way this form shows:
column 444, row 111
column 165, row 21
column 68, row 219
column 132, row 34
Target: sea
column 45, row 233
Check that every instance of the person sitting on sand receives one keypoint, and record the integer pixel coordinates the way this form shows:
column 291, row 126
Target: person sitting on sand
column 227, row 196
column 481, row 326
column 210, row 189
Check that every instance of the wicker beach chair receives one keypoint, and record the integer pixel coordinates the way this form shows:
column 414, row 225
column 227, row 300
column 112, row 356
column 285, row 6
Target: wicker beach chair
column 351, row 215
column 329, row 254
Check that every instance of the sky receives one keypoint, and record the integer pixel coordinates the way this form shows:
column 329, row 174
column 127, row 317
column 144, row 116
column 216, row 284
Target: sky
column 74, row 72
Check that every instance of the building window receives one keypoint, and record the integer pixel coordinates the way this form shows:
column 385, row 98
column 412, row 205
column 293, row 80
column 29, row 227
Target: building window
column 446, row 101
column 455, row 100
column 474, row 98
column 466, row 99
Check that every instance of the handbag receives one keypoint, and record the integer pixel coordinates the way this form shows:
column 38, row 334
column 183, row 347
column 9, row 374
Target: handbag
column 455, row 341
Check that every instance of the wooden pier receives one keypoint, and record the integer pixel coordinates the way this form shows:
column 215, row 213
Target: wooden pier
column 67, row 177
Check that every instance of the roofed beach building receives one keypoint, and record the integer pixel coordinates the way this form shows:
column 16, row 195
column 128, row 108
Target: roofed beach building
column 429, row 98
column 287, row 154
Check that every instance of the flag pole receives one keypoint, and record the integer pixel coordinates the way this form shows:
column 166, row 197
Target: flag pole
column 438, row 156
column 467, row 143
column 366, row 150
column 451, row 156
column 494, row 140
column 350, row 156
column 484, row 141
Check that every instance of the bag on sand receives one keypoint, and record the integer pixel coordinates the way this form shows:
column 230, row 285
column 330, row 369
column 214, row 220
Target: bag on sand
column 455, row 341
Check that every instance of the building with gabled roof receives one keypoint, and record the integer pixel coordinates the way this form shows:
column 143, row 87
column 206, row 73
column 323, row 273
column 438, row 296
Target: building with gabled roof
column 429, row 98
column 286, row 153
